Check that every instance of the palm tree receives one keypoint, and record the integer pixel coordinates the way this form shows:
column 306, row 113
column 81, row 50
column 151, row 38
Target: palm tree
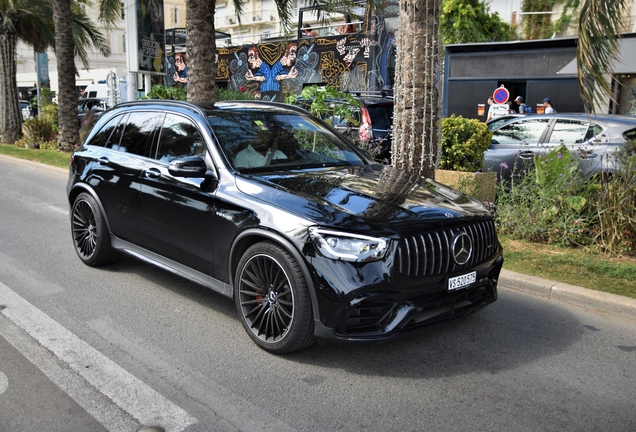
column 597, row 49
column 417, row 73
column 20, row 20
column 74, row 32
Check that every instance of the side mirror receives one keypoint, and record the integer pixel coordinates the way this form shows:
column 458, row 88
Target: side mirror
column 190, row 166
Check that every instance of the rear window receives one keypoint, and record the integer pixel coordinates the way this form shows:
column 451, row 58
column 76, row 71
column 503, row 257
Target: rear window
column 103, row 137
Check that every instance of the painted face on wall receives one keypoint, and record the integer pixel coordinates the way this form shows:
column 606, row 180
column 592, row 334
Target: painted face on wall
column 179, row 64
column 290, row 55
column 253, row 59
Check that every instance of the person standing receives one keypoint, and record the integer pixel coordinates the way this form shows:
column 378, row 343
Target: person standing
column 308, row 31
column 490, row 102
column 548, row 108
column 523, row 108
column 347, row 27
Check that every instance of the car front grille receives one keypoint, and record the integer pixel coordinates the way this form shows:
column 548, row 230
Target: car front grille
column 431, row 254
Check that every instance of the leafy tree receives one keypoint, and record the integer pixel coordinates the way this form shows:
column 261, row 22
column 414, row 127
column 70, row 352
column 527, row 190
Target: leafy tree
column 74, row 34
column 20, row 20
column 466, row 21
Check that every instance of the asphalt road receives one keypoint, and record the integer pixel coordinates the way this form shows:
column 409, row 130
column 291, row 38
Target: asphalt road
column 126, row 346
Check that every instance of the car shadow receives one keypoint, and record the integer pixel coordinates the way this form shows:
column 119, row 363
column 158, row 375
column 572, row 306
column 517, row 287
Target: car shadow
column 515, row 330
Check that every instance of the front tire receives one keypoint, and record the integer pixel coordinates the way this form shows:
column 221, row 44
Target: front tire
column 90, row 232
column 272, row 299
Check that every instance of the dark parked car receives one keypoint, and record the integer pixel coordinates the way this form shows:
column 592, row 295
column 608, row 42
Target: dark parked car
column 25, row 109
column 270, row 206
column 373, row 121
column 94, row 105
column 592, row 140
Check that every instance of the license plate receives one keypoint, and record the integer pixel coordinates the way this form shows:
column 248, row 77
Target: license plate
column 461, row 281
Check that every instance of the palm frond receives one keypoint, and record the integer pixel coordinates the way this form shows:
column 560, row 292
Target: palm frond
column 30, row 20
column 597, row 51
column 86, row 36
column 110, row 12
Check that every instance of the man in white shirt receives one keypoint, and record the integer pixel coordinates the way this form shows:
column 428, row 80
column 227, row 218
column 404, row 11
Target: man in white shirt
column 249, row 157
column 262, row 151
column 549, row 109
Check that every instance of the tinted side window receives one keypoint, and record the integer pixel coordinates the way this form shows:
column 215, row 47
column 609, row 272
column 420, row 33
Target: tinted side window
column 569, row 132
column 105, row 137
column 594, row 131
column 524, row 131
column 179, row 137
column 137, row 136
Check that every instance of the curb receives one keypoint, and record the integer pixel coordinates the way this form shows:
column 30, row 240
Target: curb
column 572, row 294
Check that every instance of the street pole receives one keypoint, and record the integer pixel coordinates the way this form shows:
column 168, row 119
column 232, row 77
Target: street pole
column 131, row 49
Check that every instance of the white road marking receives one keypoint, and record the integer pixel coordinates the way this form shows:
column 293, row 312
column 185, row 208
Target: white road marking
column 127, row 392
column 58, row 209
column 4, row 383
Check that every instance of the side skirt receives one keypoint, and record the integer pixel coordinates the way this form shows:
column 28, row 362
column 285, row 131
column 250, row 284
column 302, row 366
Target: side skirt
column 172, row 266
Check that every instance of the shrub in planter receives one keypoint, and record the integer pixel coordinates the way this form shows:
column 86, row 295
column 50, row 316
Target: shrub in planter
column 464, row 142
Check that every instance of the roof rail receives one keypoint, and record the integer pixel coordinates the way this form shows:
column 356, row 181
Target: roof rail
column 376, row 93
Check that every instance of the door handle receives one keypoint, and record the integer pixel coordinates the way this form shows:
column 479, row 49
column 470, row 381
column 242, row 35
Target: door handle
column 103, row 160
column 152, row 173
column 526, row 155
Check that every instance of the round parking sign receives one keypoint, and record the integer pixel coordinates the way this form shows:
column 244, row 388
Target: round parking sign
column 501, row 95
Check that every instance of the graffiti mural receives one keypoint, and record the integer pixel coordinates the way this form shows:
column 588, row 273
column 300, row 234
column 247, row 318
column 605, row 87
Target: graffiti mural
column 356, row 62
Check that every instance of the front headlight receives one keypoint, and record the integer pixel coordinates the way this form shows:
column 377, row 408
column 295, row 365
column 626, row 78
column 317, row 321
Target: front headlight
column 348, row 247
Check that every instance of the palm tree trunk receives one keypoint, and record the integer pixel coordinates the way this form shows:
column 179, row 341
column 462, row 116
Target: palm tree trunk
column 68, row 124
column 10, row 114
column 417, row 102
column 200, row 50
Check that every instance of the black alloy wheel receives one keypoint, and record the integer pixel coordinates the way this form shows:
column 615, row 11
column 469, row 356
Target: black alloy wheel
column 90, row 233
column 273, row 300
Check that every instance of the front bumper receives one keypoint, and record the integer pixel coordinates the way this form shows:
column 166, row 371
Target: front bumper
column 377, row 314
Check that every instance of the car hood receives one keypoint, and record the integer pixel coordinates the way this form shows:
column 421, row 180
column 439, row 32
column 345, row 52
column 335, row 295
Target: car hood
column 363, row 198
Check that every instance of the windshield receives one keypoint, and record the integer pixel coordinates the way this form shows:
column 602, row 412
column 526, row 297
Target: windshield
column 255, row 140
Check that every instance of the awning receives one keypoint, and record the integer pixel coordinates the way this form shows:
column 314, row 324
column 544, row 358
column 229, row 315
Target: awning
column 625, row 64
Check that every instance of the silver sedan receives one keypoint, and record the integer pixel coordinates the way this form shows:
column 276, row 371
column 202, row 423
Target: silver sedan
column 593, row 140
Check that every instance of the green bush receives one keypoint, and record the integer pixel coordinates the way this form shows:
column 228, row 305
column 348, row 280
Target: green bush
column 180, row 93
column 464, row 142
column 167, row 92
column 49, row 114
column 38, row 133
column 554, row 204
column 616, row 205
column 229, row 94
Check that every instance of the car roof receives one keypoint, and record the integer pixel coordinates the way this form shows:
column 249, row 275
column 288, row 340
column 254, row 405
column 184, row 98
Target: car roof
column 604, row 118
column 206, row 108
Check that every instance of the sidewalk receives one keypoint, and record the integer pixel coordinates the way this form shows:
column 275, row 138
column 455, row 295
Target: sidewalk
column 572, row 294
